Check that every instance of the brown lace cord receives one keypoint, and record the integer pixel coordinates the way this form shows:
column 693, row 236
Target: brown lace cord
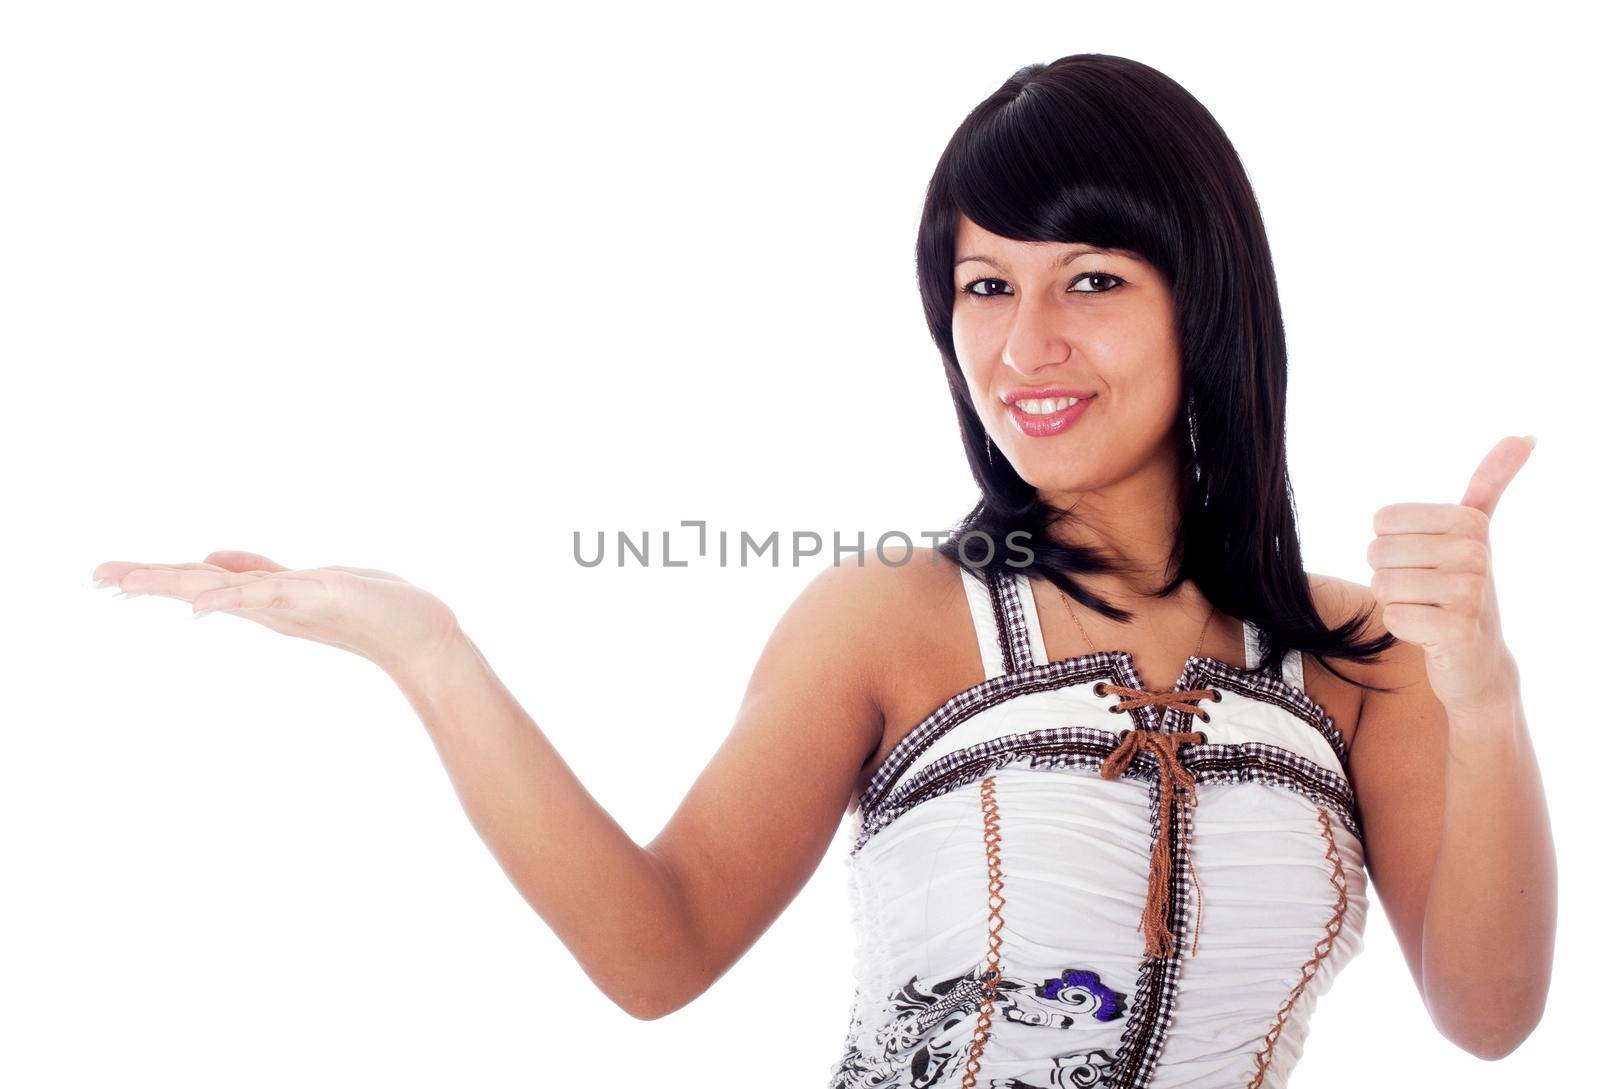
column 1158, row 936
column 1323, row 947
column 1200, row 899
column 991, row 974
column 1182, row 699
column 1158, row 939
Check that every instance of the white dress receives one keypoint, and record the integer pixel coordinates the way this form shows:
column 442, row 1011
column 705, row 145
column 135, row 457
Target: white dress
column 1004, row 860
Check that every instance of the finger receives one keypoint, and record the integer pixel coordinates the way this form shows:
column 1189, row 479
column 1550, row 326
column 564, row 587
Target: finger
column 185, row 582
column 1428, row 518
column 1445, row 551
column 114, row 571
column 234, row 560
column 278, row 593
column 370, row 572
column 1495, row 472
column 110, row 573
column 1419, row 586
column 1417, row 624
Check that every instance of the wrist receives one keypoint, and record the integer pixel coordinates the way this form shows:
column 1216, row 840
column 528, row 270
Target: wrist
column 1500, row 697
column 429, row 672
column 1493, row 729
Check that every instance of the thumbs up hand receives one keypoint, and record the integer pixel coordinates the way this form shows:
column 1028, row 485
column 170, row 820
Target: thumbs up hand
column 1433, row 582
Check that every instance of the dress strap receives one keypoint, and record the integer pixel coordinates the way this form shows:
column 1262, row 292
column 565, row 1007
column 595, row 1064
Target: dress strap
column 1293, row 670
column 998, row 618
column 1037, row 655
column 1252, row 651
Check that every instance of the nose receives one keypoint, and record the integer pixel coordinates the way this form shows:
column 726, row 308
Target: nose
column 1034, row 343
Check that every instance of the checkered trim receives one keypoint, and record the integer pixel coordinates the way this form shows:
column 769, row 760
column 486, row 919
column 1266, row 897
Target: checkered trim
column 1156, row 992
column 1258, row 762
column 968, row 702
column 1117, row 667
column 1261, row 685
column 1198, row 672
column 1012, row 623
column 1058, row 747
column 1068, row 747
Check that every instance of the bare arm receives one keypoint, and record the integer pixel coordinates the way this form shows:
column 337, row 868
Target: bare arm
column 654, row 926
column 1459, row 849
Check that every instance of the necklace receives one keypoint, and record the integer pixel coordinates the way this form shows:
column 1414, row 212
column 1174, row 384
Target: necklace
column 1074, row 614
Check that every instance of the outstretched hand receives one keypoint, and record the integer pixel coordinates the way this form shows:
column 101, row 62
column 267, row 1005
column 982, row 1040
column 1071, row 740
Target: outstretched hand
column 375, row 614
column 1433, row 579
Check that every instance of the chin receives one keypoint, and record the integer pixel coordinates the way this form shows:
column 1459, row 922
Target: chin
column 1046, row 481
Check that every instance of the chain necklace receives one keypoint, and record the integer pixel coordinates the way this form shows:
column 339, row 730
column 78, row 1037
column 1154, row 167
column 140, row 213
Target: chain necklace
column 1074, row 613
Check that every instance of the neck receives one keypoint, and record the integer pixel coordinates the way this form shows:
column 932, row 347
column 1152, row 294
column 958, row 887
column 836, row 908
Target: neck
column 1133, row 520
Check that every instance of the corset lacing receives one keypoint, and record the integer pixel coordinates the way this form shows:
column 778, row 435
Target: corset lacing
column 1158, row 939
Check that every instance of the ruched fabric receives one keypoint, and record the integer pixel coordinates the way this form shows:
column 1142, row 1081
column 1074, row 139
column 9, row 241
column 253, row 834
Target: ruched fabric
column 991, row 829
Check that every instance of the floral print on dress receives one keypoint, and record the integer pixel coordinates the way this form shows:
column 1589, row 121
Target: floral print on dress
column 1070, row 1071
column 928, row 1033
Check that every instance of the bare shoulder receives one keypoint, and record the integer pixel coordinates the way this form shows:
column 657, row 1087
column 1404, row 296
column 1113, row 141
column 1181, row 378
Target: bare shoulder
column 890, row 614
column 900, row 579
column 1400, row 721
column 1338, row 601
column 894, row 582
column 911, row 645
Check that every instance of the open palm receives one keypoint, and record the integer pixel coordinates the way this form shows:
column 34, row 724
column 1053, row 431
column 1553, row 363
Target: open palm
column 376, row 614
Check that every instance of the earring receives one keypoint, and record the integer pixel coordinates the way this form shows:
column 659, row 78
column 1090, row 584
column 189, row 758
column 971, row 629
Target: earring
column 988, row 449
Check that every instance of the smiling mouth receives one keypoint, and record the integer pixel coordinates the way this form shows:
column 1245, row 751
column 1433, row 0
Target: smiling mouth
column 1042, row 417
column 1046, row 406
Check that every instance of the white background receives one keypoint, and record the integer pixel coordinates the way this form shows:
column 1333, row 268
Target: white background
column 428, row 287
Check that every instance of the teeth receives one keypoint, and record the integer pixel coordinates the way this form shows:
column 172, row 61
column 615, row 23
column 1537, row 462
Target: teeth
column 1037, row 407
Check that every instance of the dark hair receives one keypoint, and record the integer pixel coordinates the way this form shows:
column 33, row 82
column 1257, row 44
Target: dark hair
column 1107, row 151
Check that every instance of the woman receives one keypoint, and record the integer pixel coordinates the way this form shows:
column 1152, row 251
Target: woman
column 1060, row 875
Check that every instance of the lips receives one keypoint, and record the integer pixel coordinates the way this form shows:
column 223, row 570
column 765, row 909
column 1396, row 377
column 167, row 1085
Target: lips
column 1025, row 393
column 1037, row 425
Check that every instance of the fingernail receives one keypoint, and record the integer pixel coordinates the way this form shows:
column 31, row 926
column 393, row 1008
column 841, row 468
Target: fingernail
column 100, row 584
column 125, row 593
column 1531, row 440
column 198, row 613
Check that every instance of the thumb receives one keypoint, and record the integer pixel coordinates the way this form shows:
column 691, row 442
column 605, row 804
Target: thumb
column 1495, row 472
column 231, row 560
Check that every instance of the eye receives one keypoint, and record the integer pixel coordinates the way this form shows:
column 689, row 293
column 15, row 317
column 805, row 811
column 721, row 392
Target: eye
column 1096, row 278
column 1099, row 284
column 968, row 289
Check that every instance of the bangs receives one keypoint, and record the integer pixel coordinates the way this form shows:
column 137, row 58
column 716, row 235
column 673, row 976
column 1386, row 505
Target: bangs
column 1054, row 167
column 1108, row 152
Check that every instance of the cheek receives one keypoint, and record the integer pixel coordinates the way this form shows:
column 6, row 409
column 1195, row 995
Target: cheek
column 974, row 354
column 964, row 335
column 1141, row 350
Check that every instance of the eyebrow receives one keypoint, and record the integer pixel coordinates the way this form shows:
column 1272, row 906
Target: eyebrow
column 1066, row 258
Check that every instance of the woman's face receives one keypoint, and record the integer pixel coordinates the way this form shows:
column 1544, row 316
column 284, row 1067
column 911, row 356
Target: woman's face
column 1037, row 322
